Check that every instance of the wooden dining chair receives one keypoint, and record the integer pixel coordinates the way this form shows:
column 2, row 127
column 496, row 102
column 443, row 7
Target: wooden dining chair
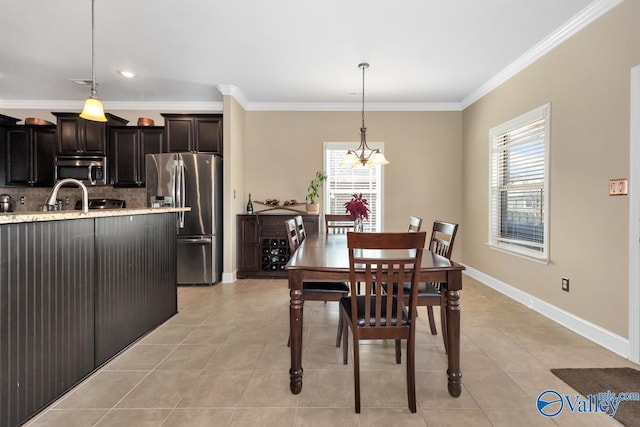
column 387, row 257
column 414, row 223
column 302, row 234
column 430, row 294
column 338, row 223
column 316, row 291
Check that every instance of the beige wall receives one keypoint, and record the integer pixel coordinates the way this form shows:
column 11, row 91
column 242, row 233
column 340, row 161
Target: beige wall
column 234, row 180
column 586, row 80
column 284, row 150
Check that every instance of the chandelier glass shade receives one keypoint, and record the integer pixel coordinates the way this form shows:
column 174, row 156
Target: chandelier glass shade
column 93, row 109
column 363, row 156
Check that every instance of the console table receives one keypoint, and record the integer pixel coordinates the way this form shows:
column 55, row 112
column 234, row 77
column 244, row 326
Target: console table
column 263, row 249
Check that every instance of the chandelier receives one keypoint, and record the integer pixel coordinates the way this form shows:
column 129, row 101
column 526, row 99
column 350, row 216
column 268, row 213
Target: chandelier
column 363, row 156
column 93, row 109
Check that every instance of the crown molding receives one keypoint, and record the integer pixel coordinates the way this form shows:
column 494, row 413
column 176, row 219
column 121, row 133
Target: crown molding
column 348, row 106
column 113, row 105
column 218, row 106
column 571, row 27
column 165, row 106
column 42, row 104
column 235, row 92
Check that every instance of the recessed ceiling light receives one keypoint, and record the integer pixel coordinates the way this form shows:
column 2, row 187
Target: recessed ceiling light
column 126, row 73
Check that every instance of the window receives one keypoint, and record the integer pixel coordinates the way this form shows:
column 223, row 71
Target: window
column 343, row 181
column 518, row 207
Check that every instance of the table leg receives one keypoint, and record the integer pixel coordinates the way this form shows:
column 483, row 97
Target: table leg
column 453, row 334
column 295, row 329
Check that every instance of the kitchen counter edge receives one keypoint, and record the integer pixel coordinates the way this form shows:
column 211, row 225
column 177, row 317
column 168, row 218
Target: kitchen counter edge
column 35, row 216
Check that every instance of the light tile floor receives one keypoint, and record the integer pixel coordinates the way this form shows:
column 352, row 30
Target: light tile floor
column 223, row 361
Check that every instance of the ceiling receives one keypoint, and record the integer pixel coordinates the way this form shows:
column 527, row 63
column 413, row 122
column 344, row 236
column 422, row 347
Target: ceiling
column 424, row 54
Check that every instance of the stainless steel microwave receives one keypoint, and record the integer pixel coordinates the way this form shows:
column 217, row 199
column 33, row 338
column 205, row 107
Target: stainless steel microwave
column 91, row 170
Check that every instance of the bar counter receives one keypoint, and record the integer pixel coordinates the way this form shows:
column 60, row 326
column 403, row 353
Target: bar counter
column 38, row 216
column 75, row 290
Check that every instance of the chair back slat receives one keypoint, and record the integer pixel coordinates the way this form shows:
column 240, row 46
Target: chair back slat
column 302, row 234
column 443, row 235
column 338, row 223
column 384, row 258
column 292, row 235
column 414, row 223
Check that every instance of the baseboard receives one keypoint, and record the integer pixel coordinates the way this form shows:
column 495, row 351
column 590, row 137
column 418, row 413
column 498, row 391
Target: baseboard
column 229, row 277
column 593, row 332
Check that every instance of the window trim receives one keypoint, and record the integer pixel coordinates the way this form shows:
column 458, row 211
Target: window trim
column 542, row 112
column 351, row 146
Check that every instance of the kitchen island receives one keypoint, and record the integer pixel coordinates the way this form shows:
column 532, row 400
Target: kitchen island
column 75, row 290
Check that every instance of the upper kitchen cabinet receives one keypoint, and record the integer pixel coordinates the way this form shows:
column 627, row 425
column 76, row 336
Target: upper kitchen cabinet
column 30, row 154
column 5, row 121
column 193, row 133
column 128, row 147
column 77, row 136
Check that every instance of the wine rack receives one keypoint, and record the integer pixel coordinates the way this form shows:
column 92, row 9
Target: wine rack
column 275, row 254
column 263, row 248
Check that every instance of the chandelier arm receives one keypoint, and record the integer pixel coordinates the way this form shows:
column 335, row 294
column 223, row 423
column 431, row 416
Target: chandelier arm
column 373, row 156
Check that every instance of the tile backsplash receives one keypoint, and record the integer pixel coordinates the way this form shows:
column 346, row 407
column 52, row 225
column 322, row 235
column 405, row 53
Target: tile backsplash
column 35, row 197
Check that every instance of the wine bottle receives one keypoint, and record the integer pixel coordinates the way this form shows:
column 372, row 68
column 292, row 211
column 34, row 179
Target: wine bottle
column 249, row 206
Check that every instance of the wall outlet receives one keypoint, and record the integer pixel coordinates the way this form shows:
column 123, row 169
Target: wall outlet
column 618, row 187
column 565, row 284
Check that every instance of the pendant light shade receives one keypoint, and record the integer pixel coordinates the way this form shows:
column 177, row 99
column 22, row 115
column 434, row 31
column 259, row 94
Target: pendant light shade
column 93, row 109
column 363, row 156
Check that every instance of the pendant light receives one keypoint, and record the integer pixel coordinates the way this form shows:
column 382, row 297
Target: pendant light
column 93, row 109
column 363, row 156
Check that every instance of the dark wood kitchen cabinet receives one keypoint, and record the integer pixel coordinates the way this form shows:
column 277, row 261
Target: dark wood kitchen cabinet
column 193, row 133
column 30, row 153
column 77, row 136
column 5, row 122
column 263, row 249
column 248, row 245
column 128, row 147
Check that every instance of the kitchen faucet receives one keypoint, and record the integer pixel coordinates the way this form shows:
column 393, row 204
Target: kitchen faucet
column 51, row 201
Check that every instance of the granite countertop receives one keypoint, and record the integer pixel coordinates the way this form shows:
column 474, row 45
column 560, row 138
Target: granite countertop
column 35, row 216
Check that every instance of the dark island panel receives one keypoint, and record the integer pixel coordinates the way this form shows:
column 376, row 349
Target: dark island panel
column 135, row 285
column 74, row 293
column 46, row 313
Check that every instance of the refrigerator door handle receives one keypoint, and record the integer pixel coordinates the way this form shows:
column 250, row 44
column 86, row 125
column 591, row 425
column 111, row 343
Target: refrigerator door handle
column 201, row 240
column 182, row 185
column 174, row 180
column 179, row 191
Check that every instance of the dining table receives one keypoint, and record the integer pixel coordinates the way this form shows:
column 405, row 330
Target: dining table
column 324, row 257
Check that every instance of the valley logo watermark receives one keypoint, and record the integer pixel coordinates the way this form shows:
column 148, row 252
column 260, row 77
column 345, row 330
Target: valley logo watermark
column 551, row 403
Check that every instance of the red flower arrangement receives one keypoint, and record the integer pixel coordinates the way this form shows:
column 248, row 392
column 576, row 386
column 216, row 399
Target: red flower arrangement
column 357, row 207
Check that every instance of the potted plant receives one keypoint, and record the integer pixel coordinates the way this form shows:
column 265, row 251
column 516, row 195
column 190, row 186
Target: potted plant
column 313, row 192
column 358, row 208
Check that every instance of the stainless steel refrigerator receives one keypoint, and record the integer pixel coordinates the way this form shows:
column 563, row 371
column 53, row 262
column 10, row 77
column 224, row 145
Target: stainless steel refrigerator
column 195, row 181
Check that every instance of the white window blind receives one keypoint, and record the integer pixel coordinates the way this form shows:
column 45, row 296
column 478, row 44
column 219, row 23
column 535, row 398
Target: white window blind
column 343, row 181
column 519, row 185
